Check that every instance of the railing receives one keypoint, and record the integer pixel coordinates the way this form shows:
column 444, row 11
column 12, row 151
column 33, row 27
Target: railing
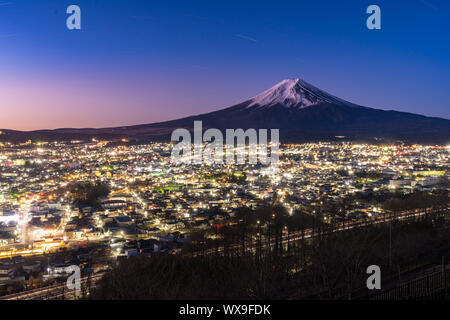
column 433, row 286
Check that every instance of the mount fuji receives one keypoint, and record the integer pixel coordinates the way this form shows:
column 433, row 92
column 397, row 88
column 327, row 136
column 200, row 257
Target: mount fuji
column 294, row 93
column 301, row 111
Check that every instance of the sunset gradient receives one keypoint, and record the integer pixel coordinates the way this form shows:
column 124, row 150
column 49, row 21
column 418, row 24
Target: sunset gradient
column 139, row 62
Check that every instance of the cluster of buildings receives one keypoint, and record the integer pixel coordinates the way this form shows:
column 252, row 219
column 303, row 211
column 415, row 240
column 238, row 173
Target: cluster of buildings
column 153, row 205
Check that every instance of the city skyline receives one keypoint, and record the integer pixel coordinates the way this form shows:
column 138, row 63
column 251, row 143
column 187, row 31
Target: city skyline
column 139, row 63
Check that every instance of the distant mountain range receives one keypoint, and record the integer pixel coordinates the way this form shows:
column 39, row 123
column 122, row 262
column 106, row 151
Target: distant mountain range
column 301, row 111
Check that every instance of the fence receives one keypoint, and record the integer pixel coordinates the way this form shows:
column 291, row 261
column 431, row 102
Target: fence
column 434, row 286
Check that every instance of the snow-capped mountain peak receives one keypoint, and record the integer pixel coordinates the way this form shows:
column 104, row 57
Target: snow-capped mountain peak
column 294, row 93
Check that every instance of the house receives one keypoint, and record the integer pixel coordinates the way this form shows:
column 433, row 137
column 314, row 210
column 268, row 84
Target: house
column 7, row 273
column 32, row 267
column 123, row 221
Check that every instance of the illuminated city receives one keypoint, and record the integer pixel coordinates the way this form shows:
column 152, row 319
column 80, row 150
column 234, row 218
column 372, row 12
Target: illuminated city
column 146, row 198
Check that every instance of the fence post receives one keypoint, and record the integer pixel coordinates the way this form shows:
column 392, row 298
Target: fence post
column 444, row 280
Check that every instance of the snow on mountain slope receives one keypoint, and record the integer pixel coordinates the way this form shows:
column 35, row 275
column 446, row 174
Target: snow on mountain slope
column 294, row 93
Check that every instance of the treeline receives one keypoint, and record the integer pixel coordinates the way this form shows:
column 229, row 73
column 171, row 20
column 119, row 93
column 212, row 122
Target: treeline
column 268, row 254
column 263, row 227
column 418, row 201
column 87, row 193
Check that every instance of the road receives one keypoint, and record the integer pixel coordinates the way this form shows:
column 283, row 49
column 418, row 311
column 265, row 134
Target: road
column 53, row 292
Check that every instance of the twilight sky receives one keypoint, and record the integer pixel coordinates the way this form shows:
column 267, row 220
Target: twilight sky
column 140, row 61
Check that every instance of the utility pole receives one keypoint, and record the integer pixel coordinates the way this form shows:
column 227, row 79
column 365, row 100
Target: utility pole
column 390, row 244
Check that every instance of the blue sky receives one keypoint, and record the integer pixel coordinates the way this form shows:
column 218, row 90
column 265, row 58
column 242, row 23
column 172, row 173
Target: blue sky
column 145, row 61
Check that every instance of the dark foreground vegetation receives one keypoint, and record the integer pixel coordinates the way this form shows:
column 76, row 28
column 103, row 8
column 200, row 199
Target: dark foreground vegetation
column 87, row 194
column 267, row 254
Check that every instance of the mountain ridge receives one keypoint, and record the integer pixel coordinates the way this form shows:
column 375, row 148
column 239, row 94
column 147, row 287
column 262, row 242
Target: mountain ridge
column 301, row 111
